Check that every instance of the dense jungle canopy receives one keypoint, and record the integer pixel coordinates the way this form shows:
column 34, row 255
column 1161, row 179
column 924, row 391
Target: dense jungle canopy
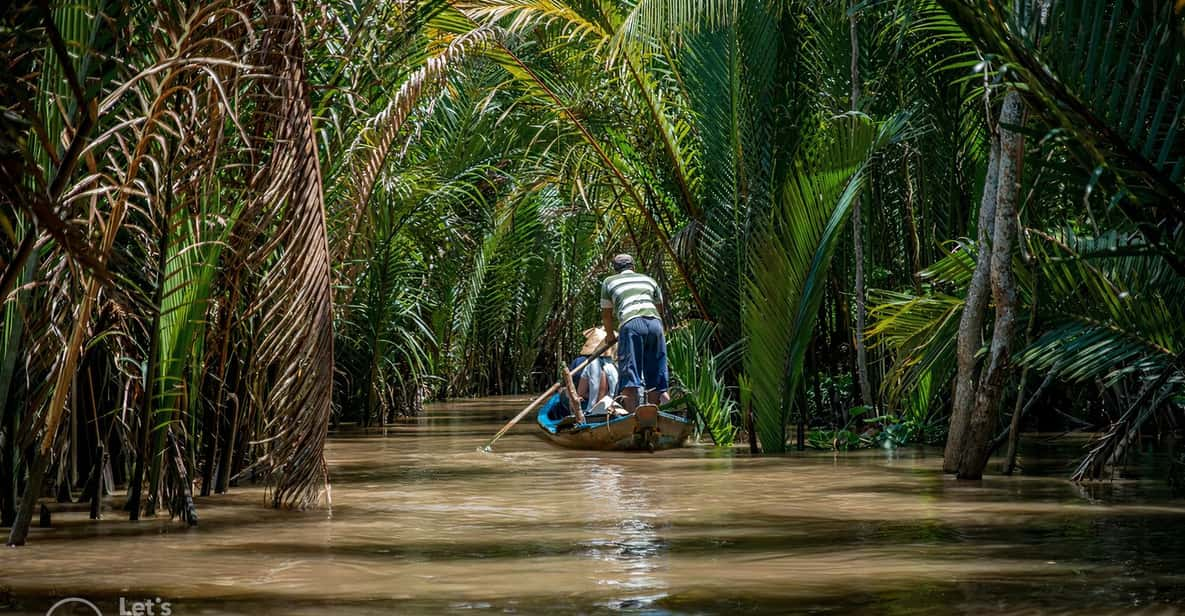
column 227, row 226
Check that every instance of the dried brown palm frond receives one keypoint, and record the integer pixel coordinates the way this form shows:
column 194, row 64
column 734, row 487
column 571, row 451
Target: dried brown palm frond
column 25, row 186
column 159, row 113
column 294, row 351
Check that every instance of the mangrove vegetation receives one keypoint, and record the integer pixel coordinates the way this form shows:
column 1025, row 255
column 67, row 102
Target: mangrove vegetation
column 229, row 227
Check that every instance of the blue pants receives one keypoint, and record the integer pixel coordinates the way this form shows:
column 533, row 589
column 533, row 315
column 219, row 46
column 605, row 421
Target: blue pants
column 642, row 354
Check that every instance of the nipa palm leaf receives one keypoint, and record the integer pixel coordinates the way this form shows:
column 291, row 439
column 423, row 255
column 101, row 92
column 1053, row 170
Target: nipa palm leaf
column 788, row 266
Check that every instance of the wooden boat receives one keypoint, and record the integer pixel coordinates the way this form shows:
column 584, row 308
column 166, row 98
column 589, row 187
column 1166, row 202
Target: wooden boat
column 647, row 429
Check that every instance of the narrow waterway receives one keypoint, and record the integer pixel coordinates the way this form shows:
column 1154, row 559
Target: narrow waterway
column 422, row 522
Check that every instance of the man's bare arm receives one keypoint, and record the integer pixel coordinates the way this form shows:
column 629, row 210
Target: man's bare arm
column 607, row 322
column 582, row 388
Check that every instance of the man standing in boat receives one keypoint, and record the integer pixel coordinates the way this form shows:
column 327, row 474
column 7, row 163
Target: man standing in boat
column 634, row 301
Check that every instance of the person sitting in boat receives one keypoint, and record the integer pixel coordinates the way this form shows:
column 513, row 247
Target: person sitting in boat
column 596, row 383
column 633, row 302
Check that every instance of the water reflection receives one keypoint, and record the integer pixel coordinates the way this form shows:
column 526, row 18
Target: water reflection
column 629, row 554
column 423, row 523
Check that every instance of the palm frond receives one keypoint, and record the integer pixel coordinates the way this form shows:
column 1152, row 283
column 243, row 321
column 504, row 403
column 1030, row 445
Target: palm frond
column 789, row 266
column 697, row 370
column 730, row 77
column 295, row 349
column 374, row 141
column 921, row 332
column 1116, row 315
column 1111, row 80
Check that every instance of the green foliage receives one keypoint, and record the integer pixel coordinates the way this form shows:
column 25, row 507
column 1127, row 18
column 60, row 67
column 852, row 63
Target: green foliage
column 1110, row 315
column 383, row 341
column 697, row 373
column 730, row 76
column 788, row 267
column 167, row 237
column 191, row 250
column 1108, row 80
column 850, row 436
column 920, row 332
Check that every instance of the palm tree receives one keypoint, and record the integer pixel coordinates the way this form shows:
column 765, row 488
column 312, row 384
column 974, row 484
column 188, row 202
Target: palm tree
column 161, row 138
column 1120, row 119
column 225, row 226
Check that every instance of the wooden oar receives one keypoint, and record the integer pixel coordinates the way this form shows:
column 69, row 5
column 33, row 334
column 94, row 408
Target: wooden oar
column 573, row 396
column 550, row 390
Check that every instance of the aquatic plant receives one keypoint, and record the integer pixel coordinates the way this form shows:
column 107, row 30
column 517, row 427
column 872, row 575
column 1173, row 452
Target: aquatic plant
column 697, row 371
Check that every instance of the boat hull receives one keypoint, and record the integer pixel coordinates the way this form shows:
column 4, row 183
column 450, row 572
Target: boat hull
column 625, row 433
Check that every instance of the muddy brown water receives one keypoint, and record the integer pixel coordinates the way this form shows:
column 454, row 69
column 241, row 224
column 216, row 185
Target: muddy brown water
column 422, row 523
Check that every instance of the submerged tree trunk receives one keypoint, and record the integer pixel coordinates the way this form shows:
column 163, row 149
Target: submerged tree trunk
column 24, row 515
column 978, row 438
column 7, row 468
column 143, row 433
column 213, row 424
column 95, row 484
column 858, row 236
column 1021, row 406
column 1014, row 425
column 12, row 336
column 971, row 321
column 183, row 505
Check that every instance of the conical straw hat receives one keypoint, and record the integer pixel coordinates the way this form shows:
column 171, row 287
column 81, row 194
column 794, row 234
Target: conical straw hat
column 593, row 337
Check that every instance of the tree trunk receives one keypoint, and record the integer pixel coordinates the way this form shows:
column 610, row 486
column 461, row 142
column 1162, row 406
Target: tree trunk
column 815, row 380
column 749, row 420
column 231, row 403
column 812, row 372
column 213, row 427
column 13, row 336
column 858, row 236
column 978, row 438
column 8, row 462
column 1014, row 426
column 228, row 455
column 913, row 241
column 971, row 321
column 96, row 482
column 1021, row 406
column 136, row 484
column 24, row 515
column 8, row 449
column 372, row 392
column 184, row 505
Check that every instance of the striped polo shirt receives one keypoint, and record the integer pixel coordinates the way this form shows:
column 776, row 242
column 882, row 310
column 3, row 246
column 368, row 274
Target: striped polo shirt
column 631, row 295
